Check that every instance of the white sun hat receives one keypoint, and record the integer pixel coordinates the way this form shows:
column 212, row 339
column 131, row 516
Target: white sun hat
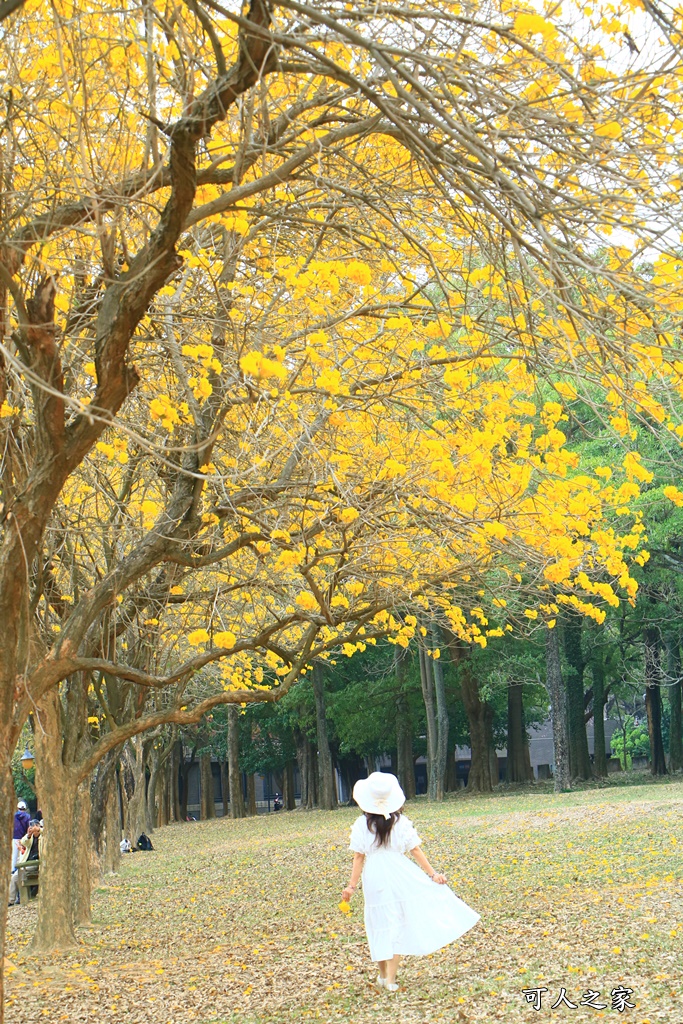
column 380, row 793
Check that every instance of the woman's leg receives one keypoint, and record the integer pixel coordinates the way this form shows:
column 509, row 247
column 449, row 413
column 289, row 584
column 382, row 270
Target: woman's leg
column 382, row 964
column 391, row 968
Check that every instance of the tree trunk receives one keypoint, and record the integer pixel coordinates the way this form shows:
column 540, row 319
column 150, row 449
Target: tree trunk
column 288, row 793
column 99, row 799
column 251, row 796
column 225, row 787
column 207, row 802
column 518, row 766
column 326, row 782
column 673, row 668
column 404, row 729
column 57, row 790
column 653, row 701
column 451, row 774
column 599, row 751
column 112, row 827
column 427, row 681
column 236, row 799
column 312, row 762
column 138, row 821
column 441, row 755
column 82, row 858
column 558, row 712
column 163, row 810
column 7, row 807
column 480, row 717
column 185, row 767
column 579, row 757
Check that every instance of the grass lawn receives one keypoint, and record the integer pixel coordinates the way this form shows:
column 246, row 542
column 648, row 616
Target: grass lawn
column 239, row 921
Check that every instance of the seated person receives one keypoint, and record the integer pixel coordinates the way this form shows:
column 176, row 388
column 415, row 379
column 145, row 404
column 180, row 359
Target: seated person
column 29, row 849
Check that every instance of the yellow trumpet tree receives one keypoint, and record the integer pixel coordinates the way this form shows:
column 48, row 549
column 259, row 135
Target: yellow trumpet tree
column 279, row 283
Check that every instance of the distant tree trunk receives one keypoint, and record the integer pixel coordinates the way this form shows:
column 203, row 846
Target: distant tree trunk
column 518, row 766
column 112, row 827
column 185, row 768
column 251, row 796
column 301, row 759
column 237, row 809
column 673, row 668
column 442, row 723
column 427, row 681
column 326, row 783
column 599, row 746
column 207, row 802
column 404, row 729
column 288, row 794
column 451, row 774
column 579, row 757
column 174, row 783
column 558, row 712
column 225, row 787
column 100, row 796
column 653, row 701
column 312, row 763
column 481, row 777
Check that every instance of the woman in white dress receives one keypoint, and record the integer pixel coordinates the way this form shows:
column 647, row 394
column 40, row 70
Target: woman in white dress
column 408, row 911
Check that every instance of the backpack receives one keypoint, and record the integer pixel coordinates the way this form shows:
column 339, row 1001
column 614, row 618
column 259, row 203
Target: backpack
column 144, row 843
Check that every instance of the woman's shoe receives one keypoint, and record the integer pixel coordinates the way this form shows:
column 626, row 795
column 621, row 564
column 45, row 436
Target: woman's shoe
column 391, row 986
column 381, row 981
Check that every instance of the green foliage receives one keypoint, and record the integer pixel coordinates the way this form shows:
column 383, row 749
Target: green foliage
column 636, row 740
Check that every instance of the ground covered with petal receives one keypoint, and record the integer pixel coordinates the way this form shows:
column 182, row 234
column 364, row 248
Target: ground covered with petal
column 232, row 921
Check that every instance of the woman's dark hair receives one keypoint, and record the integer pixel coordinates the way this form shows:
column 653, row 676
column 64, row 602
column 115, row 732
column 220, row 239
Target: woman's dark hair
column 382, row 826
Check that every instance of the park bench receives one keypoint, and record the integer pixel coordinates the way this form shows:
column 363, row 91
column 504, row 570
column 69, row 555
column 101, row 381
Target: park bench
column 28, row 877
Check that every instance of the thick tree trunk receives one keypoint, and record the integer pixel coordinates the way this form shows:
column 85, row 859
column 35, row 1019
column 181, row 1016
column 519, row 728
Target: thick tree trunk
column 481, row 779
column 518, row 766
column 7, row 807
column 558, row 712
column 404, row 729
column 326, row 782
column 579, row 757
column 653, row 701
column 237, row 809
column 82, row 858
column 427, row 681
column 207, row 802
column 288, row 793
column 225, row 787
column 57, row 789
column 599, row 751
column 673, row 668
column 138, row 820
column 441, row 754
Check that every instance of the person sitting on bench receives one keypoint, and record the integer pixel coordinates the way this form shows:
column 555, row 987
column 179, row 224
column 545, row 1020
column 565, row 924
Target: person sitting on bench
column 30, row 850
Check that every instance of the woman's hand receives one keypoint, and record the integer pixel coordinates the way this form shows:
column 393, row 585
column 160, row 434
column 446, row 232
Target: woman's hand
column 348, row 892
column 439, row 879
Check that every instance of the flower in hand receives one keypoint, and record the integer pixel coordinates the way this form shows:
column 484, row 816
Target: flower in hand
column 344, row 906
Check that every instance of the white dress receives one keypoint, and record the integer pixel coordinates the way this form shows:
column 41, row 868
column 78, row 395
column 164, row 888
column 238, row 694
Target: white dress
column 406, row 912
